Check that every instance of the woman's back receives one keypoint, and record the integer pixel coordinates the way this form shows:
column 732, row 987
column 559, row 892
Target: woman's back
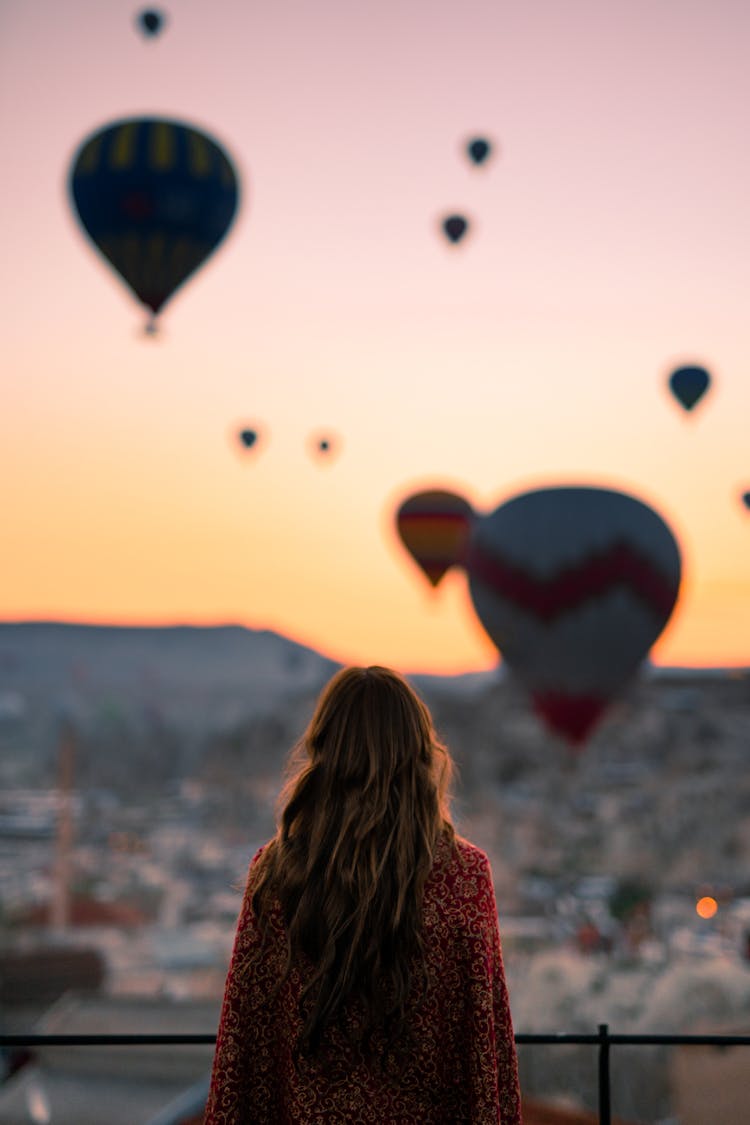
column 366, row 982
column 461, row 1062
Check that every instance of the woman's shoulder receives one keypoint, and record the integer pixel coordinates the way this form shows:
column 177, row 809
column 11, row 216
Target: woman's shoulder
column 458, row 863
column 459, row 892
column 461, row 854
column 261, row 851
column 470, row 856
column 256, row 867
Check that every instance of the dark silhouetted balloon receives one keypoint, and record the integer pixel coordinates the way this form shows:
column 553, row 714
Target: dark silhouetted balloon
column 746, row 499
column 434, row 526
column 455, row 227
column 248, row 438
column 150, row 21
column 573, row 586
column 156, row 197
column 478, row 149
column 689, row 384
column 324, row 446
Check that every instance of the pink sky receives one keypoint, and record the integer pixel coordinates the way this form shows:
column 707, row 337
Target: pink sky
column 611, row 242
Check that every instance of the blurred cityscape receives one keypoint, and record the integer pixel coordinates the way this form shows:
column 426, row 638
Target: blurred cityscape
column 139, row 770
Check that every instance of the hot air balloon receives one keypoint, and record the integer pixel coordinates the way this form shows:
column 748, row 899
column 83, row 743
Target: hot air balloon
column 573, row 586
column 689, row 384
column 156, row 197
column 455, row 227
column 150, row 21
column 248, row 438
column 434, row 527
column 746, row 499
column 478, row 149
column 323, row 446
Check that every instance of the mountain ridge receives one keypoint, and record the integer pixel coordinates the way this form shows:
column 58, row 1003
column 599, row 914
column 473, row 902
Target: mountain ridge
column 187, row 631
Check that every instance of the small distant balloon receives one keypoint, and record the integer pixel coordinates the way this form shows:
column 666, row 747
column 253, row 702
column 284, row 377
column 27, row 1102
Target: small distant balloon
column 151, row 21
column 324, row 446
column 479, row 149
column 455, row 227
column 435, row 526
column 248, row 438
column 688, row 385
column 746, row 499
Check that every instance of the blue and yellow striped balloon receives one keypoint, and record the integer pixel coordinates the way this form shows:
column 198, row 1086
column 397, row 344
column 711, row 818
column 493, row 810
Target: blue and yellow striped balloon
column 156, row 197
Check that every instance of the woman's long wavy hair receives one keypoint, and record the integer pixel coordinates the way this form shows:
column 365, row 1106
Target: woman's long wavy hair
column 363, row 810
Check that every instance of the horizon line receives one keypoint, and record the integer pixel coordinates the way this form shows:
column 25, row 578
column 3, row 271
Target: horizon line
column 234, row 624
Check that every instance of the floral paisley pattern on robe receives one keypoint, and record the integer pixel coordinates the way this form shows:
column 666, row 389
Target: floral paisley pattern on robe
column 461, row 1068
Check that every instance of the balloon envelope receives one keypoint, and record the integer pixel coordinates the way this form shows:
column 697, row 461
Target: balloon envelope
column 689, row 384
column 248, row 438
column 455, row 227
column 478, row 149
column 746, row 499
column 156, row 197
column 573, row 586
column 150, row 21
column 434, row 526
column 324, row 446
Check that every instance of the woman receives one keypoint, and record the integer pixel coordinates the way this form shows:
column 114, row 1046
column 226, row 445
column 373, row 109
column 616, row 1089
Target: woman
column 366, row 982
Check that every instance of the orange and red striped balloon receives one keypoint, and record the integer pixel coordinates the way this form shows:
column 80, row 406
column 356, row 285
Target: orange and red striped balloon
column 434, row 526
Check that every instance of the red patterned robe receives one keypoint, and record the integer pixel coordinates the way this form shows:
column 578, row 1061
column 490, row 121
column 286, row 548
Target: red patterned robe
column 462, row 1067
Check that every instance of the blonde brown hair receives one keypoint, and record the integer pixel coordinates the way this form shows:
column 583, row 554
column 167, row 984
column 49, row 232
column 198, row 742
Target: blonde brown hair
column 364, row 808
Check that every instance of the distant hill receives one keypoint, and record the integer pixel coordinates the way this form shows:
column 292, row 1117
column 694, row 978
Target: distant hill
column 142, row 699
column 182, row 664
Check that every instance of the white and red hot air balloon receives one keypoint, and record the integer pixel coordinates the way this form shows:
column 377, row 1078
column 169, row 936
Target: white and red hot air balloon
column 573, row 586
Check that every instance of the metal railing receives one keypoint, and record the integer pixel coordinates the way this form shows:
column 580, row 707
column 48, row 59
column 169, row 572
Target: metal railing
column 603, row 1039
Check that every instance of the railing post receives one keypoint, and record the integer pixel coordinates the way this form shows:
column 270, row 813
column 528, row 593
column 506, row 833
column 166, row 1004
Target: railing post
column 605, row 1106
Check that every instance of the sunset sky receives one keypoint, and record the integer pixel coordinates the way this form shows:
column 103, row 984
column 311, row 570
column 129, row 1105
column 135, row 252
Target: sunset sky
column 610, row 242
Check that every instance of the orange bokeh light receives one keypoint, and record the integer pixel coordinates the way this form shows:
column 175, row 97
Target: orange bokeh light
column 706, row 907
